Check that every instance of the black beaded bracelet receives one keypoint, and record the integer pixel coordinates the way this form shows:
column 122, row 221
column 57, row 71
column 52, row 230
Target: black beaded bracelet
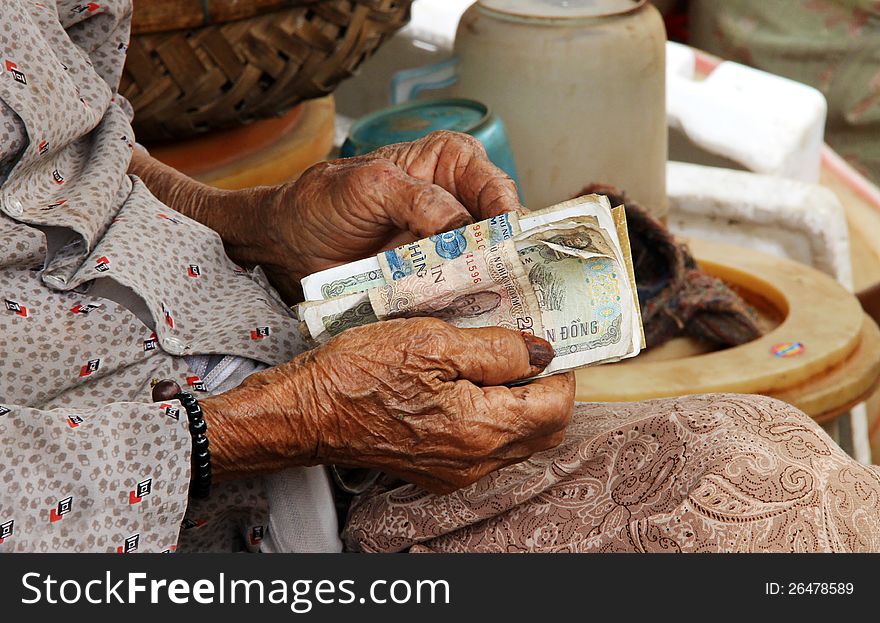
column 200, row 483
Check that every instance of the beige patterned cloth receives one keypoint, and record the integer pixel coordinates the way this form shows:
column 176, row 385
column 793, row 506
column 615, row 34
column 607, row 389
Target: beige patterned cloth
column 711, row 473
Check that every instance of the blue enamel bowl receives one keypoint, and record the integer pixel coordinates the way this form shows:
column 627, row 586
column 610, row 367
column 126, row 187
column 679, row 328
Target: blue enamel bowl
column 415, row 119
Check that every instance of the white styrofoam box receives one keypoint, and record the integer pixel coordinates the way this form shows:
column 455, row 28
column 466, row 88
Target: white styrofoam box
column 681, row 61
column 787, row 218
column 766, row 123
column 436, row 21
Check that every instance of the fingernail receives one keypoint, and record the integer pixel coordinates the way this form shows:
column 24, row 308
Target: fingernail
column 540, row 351
column 461, row 221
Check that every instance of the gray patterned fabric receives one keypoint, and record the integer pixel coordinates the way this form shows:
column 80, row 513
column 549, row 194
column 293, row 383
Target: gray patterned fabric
column 87, row 462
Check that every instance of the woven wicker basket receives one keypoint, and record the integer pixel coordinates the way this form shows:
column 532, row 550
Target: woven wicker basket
column 197, row 65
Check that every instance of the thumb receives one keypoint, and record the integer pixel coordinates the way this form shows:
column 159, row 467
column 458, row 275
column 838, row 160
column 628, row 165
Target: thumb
column 491, row 356
column 415, row 205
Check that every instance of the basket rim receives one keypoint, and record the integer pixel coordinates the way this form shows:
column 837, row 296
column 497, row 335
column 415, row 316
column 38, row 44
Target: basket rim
column 153, row 16
column 186, row 81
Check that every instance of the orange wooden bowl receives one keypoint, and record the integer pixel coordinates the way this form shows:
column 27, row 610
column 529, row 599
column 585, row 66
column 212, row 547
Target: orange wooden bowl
column 265, row 152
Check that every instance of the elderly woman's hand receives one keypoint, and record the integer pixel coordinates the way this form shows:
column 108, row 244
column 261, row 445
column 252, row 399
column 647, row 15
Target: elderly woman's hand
column 345, row 210
column 417, row 398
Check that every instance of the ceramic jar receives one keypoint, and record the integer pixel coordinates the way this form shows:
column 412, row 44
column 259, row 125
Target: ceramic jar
column 580, row 85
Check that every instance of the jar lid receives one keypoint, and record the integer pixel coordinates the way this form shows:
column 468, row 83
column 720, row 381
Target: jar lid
column 413, row 120
column 561, row 9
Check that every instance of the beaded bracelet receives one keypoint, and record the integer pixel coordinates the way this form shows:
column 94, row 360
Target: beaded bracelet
column 200, row 483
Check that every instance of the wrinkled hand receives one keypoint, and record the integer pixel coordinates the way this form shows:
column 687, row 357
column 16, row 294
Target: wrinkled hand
column 345, row 210
column 427, row 405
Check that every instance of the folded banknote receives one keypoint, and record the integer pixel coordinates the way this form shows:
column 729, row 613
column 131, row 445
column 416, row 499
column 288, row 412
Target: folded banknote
column 564, row 274
column 417, row 256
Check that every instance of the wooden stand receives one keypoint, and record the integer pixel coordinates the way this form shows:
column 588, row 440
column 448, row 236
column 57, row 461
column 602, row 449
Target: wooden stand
column 258, row 154
column 819, row 353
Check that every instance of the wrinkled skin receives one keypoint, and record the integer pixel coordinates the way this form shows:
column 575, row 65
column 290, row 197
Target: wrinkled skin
column 345, row 210
column 427, row 405
column 414, row 397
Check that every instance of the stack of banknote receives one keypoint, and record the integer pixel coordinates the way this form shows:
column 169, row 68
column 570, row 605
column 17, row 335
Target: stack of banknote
column 564, row 274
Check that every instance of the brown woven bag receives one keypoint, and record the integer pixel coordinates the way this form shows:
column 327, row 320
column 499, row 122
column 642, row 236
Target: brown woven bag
column 226, row 62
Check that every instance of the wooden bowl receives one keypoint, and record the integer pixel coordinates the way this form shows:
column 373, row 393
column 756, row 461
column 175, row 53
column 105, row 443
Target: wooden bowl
column 819, row 352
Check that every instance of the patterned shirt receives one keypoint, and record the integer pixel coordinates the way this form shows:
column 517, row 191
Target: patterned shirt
column 87, row 461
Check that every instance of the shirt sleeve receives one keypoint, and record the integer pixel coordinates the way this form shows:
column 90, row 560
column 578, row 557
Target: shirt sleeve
column 102, row 31
column 110, row 479
column 86, row 462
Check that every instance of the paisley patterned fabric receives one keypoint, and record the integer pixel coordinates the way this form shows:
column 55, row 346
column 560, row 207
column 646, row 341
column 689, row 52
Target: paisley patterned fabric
column 722, row 472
